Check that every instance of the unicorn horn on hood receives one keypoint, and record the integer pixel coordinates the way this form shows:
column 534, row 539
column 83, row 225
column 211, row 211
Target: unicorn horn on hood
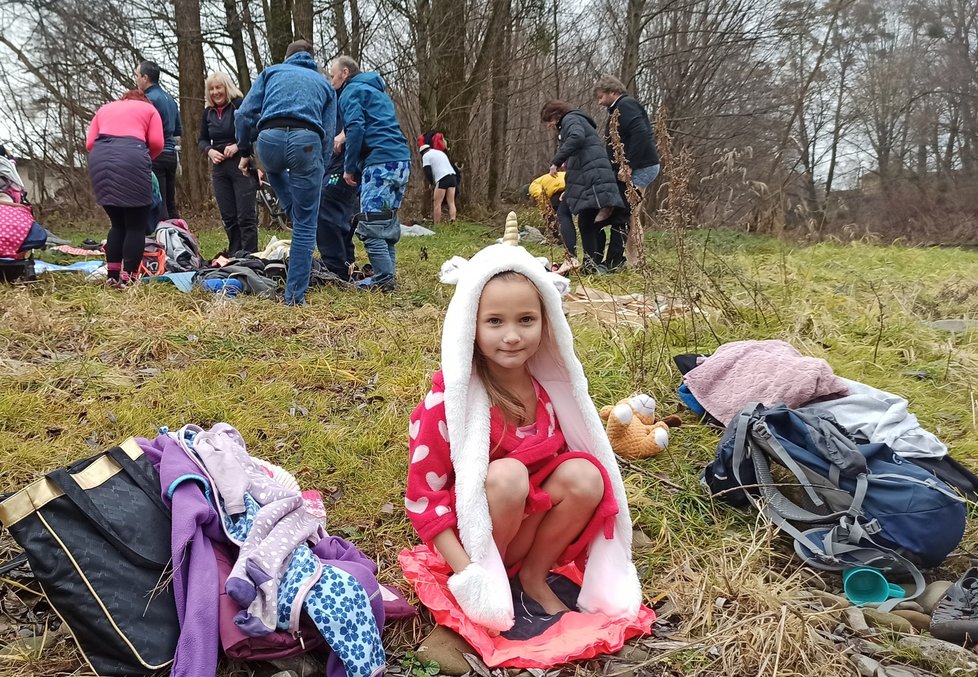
column 512, row 233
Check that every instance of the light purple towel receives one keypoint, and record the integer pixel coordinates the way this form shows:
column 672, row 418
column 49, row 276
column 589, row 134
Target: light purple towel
column 769, row 372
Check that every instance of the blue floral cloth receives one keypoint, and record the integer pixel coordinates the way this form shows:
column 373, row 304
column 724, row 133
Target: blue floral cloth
column 337, row 603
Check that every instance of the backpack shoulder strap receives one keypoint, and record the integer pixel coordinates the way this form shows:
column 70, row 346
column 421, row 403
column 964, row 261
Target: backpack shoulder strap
column 748, row 443
column 844, row 547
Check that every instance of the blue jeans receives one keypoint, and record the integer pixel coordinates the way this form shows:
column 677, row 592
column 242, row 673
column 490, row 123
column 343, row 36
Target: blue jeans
column 381, row 190
column 293, row 161
column 644, row 176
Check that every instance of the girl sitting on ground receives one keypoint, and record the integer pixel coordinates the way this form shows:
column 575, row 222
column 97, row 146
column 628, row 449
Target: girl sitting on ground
column 511, row 472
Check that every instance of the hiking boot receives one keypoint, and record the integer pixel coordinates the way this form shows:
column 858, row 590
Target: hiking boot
column 955, row 618
column 368, row 284
column 120, row 285
column 588, row 267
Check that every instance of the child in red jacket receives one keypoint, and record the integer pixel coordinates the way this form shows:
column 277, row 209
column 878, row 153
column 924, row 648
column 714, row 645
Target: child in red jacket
column 510, row 468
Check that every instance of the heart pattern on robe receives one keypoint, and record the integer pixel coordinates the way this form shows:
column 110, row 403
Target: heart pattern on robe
column 433, row 399
column 435, row 481
column 420, row 453
column 418, row 506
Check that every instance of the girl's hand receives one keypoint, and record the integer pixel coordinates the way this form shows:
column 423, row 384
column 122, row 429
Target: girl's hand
column 231, row 150
column 215, row 156
column 553, row 170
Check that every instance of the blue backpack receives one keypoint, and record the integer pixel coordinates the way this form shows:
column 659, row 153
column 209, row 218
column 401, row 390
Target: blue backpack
column 864, row 504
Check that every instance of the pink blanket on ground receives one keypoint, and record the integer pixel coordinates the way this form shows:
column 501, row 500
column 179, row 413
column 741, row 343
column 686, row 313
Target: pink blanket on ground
column 769, row 372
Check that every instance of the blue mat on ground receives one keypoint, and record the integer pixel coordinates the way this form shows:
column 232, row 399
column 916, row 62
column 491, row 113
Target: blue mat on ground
column 76, row 267
column 182, row 281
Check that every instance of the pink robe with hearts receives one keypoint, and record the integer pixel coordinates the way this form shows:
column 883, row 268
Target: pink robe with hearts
column 430, row 496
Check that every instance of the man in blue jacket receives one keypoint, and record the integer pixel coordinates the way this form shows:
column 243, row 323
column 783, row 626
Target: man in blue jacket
column 294, row 110
column 165, row 165
column 377, row 151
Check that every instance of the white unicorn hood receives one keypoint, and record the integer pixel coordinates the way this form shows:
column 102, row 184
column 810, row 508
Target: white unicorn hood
column 611, row 583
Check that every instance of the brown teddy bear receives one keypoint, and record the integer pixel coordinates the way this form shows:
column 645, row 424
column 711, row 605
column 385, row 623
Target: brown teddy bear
column 633, row 430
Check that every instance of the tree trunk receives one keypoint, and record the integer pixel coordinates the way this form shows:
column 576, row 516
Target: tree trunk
column 339, row 27
column 356, row 32
column 448, row 59
column 633, row 38
column 302, row 17
column 455, row 90
column 249, row 25
column 279, row 27
column 499, row 108
column 427, row 109
column 234, row 27
column 190, row 57
column 556, row 48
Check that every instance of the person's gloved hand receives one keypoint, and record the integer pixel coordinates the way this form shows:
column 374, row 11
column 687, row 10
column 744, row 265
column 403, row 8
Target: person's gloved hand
column 474, row 592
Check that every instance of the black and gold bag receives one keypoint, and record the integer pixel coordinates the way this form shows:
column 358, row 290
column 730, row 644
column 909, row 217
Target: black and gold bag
column 97, row 537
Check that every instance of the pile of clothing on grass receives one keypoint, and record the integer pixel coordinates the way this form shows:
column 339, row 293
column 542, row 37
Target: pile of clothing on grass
column 172, row 254
column 168, row 551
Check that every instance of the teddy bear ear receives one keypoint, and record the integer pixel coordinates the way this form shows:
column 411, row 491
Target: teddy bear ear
column 561, row 283
column 452, row 269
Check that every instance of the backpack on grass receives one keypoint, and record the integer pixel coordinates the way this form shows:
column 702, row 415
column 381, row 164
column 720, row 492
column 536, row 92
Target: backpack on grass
column 154, row 259
column 859, row 505
column 181, row 246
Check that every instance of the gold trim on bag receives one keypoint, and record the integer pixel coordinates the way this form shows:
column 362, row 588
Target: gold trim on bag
column 36, row 495
column 98, row 600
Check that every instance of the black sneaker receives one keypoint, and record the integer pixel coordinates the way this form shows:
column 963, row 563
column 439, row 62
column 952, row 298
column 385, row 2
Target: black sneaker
column 955, row 618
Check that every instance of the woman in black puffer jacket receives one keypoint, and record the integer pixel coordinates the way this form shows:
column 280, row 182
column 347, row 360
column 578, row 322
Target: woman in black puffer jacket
column 591, row 183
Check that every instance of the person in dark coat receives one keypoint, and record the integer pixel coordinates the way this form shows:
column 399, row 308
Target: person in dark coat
column 590, row 182
column 638, row 142
column 635, row 130
column 337, row 202
column 234, row 190
column 147, row 77
column 123, row 137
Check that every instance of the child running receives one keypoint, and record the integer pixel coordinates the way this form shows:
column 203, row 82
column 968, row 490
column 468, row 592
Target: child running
column 511, row 472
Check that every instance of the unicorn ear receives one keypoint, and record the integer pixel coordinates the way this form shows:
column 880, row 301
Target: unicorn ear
column 452, row 269
column 561, row 283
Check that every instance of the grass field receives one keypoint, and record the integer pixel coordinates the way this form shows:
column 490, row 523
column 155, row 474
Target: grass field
column 325, row 390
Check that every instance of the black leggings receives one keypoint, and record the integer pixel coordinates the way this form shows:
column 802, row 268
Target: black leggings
column 127, row 236
column 568, row 232
column 592, row 236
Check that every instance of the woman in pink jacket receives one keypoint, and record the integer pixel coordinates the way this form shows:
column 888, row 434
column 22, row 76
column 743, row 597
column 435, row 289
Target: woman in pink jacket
column 122, row 139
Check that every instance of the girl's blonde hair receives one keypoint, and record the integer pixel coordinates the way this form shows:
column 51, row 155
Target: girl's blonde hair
column 511, row 407
column 220, row 78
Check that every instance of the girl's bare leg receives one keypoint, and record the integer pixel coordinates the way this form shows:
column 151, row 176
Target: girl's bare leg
column 576, row 488
column 507, row 486
column 437, row 199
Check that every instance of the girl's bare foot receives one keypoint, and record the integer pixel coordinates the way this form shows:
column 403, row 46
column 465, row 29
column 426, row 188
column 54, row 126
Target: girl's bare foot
column 539, row 590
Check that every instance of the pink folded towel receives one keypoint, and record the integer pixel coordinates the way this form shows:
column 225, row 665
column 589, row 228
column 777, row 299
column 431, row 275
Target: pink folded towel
column 769, row 372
